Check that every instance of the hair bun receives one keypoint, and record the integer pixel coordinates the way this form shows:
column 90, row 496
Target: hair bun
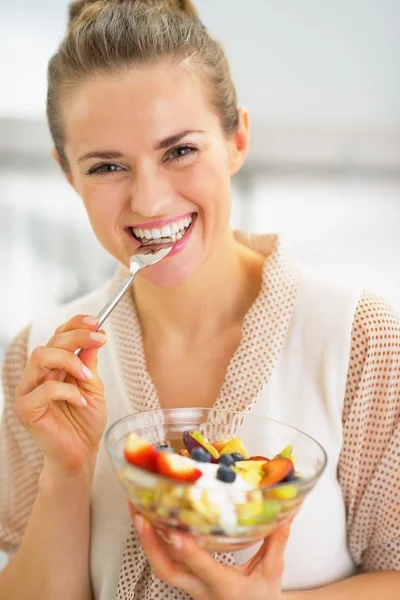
column 186, row 6
column 76, row 8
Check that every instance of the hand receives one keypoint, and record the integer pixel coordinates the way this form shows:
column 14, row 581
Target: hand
column 60, row 398
column 184, row 565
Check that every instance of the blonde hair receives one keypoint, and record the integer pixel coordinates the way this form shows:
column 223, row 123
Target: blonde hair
column 107, row 36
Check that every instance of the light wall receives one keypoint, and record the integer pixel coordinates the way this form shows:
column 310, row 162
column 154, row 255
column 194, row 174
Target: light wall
column 321, row 79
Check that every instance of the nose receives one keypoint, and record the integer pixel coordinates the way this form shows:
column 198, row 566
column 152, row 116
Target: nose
column 151, row 194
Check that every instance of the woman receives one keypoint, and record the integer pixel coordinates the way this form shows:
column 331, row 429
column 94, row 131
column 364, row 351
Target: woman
column 145, row 125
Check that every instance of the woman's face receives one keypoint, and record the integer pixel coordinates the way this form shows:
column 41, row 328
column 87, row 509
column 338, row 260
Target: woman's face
column 149, row 158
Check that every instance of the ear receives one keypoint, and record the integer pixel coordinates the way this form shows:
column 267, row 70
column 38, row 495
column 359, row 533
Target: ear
column 240, row 141
column 67, row 174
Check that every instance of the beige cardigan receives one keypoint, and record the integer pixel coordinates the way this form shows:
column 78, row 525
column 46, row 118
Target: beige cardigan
column 371, row 416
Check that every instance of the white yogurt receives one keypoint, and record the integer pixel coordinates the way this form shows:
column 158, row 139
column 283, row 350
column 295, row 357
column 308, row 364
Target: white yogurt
column 217, row 493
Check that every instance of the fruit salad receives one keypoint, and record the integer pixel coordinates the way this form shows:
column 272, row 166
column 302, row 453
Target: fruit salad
column 223, row 489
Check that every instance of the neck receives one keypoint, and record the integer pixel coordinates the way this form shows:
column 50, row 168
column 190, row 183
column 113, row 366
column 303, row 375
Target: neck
column 216, row 297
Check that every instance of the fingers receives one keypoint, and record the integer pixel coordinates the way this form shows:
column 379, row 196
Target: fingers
column 79, row 332
column 77, row 338
column 31, row 407
column 198, row 562
column 159, row 557
column 44, row 359
column 78, row 322
column 201, row 562
column 56, row 359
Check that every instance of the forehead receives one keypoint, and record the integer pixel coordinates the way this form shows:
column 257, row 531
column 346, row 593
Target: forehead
column 142, row 103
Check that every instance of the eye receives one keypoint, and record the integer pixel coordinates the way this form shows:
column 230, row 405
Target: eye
column 105, row 168
column 181, row 153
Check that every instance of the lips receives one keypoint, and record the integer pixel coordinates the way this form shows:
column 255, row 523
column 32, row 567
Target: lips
column 180, row 241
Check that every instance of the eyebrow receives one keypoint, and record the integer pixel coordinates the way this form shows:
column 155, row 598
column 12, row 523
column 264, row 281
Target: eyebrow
column 173, row 139
column 162, row 144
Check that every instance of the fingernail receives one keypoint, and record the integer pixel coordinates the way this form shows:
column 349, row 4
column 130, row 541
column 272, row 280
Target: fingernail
column 84, row 401
column 97, row 336
column 138, row 522
column 90, row 320
column 176, row 540
column 87, row 372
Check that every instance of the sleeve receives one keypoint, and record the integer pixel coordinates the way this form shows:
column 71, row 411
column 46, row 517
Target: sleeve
column 369, row 465
column 20, row 458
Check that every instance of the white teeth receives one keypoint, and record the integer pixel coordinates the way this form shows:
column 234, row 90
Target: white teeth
column 174, row 230
column 166, row 231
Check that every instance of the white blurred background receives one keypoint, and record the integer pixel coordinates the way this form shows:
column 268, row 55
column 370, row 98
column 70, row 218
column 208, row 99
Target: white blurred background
column 322, row 82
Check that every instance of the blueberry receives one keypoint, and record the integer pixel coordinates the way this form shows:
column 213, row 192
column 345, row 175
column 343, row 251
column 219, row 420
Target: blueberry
column 226, row 459
column 164, row 448
column 237, row 456
column 226, row 474
column 200, row 454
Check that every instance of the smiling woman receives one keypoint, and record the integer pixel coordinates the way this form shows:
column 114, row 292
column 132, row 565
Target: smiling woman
column 146, row 128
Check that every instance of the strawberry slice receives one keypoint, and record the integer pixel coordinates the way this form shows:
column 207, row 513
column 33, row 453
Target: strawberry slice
column 177, row 467
column 141, row 453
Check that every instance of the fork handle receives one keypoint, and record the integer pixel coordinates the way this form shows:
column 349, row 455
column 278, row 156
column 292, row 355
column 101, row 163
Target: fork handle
column 111, row 304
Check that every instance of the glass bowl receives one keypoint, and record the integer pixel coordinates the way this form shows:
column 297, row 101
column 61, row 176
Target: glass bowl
column 220, row 520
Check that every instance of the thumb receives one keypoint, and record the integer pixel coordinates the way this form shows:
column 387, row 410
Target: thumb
column 90, row 360
column 89, row 357
column 94, row 386
column 274, row 550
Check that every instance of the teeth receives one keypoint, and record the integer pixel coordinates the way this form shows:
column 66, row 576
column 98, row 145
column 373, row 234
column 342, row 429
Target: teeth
column 166, row 231
column 174, row 230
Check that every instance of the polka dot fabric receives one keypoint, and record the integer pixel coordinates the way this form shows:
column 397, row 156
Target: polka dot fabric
column 369, row 468
column 20, row 459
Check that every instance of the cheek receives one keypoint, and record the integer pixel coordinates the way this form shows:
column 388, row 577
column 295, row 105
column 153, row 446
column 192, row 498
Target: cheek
column 103, row 204
column 208, row 185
